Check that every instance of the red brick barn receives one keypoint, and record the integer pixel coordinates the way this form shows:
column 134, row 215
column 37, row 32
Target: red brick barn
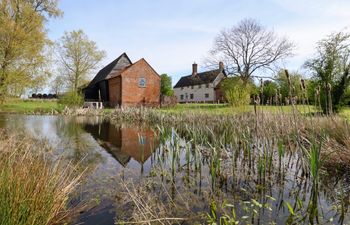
column 123, row 83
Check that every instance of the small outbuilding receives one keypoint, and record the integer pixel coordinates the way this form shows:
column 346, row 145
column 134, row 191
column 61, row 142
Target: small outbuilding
column 123, row 83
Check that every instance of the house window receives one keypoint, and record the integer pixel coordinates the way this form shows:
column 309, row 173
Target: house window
column 191, row 96
column 182, row 88
column 142, row 82
column 186, row 96
column 207, row 85
column 206, row 95
column 182, row 97
column 199, row 86
column 191, row 87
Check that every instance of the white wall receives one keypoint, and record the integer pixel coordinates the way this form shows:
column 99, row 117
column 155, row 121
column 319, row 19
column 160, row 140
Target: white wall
column 198, row 93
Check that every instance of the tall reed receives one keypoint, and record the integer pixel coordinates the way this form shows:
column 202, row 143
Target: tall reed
column 33, row 189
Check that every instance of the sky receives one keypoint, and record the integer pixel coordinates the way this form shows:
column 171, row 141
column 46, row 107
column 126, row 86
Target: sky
column 171, row 35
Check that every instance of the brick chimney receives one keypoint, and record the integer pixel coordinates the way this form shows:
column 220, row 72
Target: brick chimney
column 221, row 65
column 194, row 69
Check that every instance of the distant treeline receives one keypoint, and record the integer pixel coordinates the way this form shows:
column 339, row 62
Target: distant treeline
column 44, row 96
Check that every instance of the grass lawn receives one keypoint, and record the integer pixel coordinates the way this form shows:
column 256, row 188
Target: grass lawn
column 226, row 109
column 32, row 107
column 29, row 106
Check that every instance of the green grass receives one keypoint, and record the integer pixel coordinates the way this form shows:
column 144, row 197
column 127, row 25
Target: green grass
column 33, row 189
column 44, row 107
column 345, row 113
column 29, row 106
column 226, row 109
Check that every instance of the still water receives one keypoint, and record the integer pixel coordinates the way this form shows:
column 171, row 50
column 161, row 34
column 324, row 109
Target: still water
column 110, row 152
column 106, row 150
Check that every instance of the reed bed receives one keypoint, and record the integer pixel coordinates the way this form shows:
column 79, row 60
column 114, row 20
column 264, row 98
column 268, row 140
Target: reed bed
column 255, row 157
column 33, row 188
column 294, row 129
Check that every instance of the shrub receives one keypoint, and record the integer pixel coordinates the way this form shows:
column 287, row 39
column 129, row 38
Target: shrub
column 236, row 91
column 71, row 99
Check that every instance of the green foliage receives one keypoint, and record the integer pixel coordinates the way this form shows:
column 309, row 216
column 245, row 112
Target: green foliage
column 23, row 42
column 71, row 99
column 330, row 68
column 237, row 92
column 270, row 90
column 166, row 87
column 284, row 86
column 33, row 190
column 346, row 99
column 311, row 88
column 79, row 56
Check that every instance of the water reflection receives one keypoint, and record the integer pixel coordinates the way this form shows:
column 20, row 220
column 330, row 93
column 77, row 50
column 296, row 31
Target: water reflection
column 177, row 171
column 124, row 143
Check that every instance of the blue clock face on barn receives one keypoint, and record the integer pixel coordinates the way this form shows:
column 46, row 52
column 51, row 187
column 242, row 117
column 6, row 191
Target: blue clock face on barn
column 142, row 82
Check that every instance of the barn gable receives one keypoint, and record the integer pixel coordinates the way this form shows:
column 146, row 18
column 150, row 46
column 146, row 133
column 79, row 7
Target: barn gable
column 125, row 83
column 116, row 66
column 98, row 87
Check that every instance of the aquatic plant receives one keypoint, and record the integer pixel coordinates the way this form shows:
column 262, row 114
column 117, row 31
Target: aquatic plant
column 33, row 188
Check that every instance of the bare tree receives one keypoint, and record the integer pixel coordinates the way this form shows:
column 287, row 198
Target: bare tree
column 57, row 85
column 249, row 47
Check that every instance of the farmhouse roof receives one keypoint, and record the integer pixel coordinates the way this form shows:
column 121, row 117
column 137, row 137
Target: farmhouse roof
column 103, row 73
column 200, row 78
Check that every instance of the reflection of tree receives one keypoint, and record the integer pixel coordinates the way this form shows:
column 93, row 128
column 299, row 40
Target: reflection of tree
column 76, row 145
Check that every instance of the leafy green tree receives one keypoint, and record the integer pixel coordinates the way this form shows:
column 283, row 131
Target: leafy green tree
column 270, row 90
column 77, row 57
column 346, row 100
column 285, row 87
column 166, row 87
column 330, row 67
column 23, row 39
column 236, row 91
column 312, row 86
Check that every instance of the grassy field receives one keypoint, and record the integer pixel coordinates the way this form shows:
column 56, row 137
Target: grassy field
column 226, row 109
column 29, row 107
column 44, row 107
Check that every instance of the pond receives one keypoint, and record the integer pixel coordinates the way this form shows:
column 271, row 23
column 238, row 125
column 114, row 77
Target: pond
column 123, row 160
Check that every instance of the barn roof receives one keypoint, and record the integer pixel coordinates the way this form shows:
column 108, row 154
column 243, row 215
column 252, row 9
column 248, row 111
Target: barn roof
column 200, row 78
column 118, row 73
column 103, row 73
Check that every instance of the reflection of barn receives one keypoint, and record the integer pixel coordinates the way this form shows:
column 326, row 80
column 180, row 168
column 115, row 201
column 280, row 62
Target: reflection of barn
column 124, row 143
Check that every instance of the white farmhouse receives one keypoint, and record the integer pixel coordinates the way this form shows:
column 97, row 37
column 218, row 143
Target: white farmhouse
column 201, row 87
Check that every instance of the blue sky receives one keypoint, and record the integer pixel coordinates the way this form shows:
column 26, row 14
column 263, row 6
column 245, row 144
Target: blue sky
column 171, row 35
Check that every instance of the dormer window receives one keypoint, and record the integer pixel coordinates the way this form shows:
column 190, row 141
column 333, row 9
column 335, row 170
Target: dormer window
column 142, row 82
